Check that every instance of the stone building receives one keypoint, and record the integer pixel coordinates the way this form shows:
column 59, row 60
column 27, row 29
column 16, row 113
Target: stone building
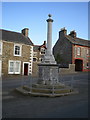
column 38, row 53
column 69, row 49
column 16, row 53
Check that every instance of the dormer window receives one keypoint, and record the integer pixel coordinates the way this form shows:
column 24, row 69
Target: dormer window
column 17, row 50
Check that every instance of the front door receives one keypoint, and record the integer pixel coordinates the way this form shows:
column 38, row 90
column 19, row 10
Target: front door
column 78, row 65
column 0, row 68
column 25, row 68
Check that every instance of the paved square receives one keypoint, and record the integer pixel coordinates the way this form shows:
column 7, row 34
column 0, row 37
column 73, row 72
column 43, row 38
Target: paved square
column 15, row 105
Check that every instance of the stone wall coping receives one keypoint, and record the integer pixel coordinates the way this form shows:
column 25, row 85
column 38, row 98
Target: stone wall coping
column 47, row 64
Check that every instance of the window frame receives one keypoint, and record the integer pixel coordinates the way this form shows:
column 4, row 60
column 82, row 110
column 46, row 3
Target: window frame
column 87, row 65
column 34, row 58
column 87, row 51
column 9, row 72
column 79, row 51
column 14, row 71
column 20, row 49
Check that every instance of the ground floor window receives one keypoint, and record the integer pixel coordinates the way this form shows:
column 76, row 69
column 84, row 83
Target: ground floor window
column 14, row 67
column 88, row 65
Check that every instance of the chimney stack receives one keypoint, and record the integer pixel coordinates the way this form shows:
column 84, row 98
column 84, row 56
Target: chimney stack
column 73, row 34
column 44, row 43
column 25, row 32
column 62, row 32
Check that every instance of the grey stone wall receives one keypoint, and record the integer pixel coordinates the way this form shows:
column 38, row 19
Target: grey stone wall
column 63, row 47
column 71, row 69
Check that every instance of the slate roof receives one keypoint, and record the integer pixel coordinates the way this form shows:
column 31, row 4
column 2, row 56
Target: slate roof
column 36, row 47
column 78, row 41
column 16, row 37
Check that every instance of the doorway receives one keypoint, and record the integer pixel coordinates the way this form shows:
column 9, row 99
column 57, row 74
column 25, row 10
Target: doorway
column 25, row 68
column 78, row 65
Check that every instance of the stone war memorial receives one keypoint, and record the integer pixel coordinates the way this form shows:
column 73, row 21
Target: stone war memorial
column 48, row 69
column 48, row 83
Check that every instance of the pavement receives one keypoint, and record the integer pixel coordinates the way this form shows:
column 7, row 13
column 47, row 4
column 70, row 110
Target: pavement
column 15, row 105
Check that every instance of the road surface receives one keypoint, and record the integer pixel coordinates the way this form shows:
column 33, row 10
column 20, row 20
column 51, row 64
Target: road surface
column 15, row 105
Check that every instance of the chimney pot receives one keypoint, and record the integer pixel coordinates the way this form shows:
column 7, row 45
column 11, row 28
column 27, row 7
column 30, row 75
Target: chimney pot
column 73, row 34
column 44, row 43
column 62, row 32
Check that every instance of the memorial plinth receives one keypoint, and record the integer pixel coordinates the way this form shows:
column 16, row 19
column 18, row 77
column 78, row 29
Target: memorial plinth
column 48, row 74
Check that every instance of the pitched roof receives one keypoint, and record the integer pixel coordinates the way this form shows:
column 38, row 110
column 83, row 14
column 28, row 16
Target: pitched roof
column 78, row 41
column 36, row 47
column 16, row 37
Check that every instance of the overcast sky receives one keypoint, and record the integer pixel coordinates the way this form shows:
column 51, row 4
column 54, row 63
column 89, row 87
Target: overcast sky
column 33, row 15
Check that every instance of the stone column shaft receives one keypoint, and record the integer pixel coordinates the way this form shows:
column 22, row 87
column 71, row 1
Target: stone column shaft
column 48, row 57
column 49, row 38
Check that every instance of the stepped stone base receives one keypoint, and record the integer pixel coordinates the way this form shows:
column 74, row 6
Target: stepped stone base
column 47, row 91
